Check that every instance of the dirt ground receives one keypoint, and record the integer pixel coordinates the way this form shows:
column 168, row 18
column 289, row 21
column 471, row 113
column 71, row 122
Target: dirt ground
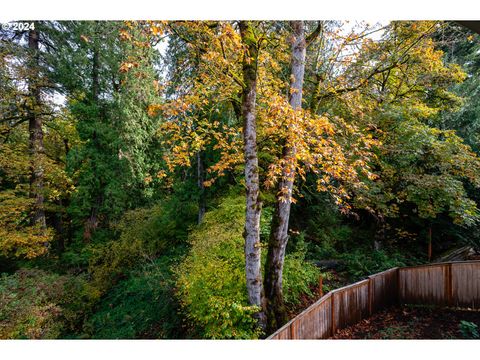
column 411, row 322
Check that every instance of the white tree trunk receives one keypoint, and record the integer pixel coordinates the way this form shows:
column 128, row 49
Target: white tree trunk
column 254, row 206
column 279, row 233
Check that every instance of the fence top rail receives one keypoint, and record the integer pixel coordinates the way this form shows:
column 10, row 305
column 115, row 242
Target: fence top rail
column 362, row 282
column 382, row 272
column 350, row 286
column 440, row 264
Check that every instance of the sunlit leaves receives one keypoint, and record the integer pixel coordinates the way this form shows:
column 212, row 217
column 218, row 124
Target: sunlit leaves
column 317, row 150
column 427, row 167
column 17, row 238
column 193, row 116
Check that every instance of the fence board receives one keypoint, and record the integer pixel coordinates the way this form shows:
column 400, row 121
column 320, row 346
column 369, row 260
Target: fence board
column 351, row 304
column 384, row 288
column 315, row 324
column 423, row 285
column 466, row 285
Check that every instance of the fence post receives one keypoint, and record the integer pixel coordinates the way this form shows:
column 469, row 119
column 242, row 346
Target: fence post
column 370, row 295
column 398, row 300
column 332, row 305
column 449, row 285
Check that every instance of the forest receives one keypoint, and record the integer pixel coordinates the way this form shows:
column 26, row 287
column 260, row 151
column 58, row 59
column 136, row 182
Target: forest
column 211, row 179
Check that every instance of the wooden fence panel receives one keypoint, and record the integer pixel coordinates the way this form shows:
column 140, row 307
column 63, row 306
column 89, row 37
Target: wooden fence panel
column 453, row 284
column 423, row 284
column 282, row 334
column 383, row 290
column 466, row 285
column 350, row 304
column 315, row 323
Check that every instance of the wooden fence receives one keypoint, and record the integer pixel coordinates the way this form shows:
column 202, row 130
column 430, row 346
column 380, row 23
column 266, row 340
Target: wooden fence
column 454, row 284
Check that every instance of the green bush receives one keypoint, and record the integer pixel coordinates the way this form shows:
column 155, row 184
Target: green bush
column 139, row 238
column 364, row 262
column 143, row 306
column 143, row 234
column 469, row 330
column 35, row 304
column 298, row 277
column 211, row 280
column 323, row 225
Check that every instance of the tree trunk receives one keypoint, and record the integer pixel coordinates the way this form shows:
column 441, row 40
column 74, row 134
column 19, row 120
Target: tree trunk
column 95, row 81
column 429, row 243
column 254, row 205
column 36, row 146
column 315, row 100
column 276, row 313
column 201, row 187
column 379, row 238
column 92, row 221
column 59, row 227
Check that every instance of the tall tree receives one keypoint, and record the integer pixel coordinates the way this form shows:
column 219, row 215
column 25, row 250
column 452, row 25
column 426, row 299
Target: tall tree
column 279, row 232
column 108, row 92
column 36, row 146
column 403, row 107
column 252, row 182
column 34, row 129
column 290, row 140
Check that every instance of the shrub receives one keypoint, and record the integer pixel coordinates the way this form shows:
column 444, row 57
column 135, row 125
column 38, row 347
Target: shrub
column 142, row 306
column 29, row 305
column 35, row 304
column 211, row 280
column 469, row 330
column 298, row 277
column 143, row 234
column 318, row 217
column 363, row 262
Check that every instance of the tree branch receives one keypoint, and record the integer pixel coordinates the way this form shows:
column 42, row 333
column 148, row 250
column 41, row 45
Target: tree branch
column 310, row 38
